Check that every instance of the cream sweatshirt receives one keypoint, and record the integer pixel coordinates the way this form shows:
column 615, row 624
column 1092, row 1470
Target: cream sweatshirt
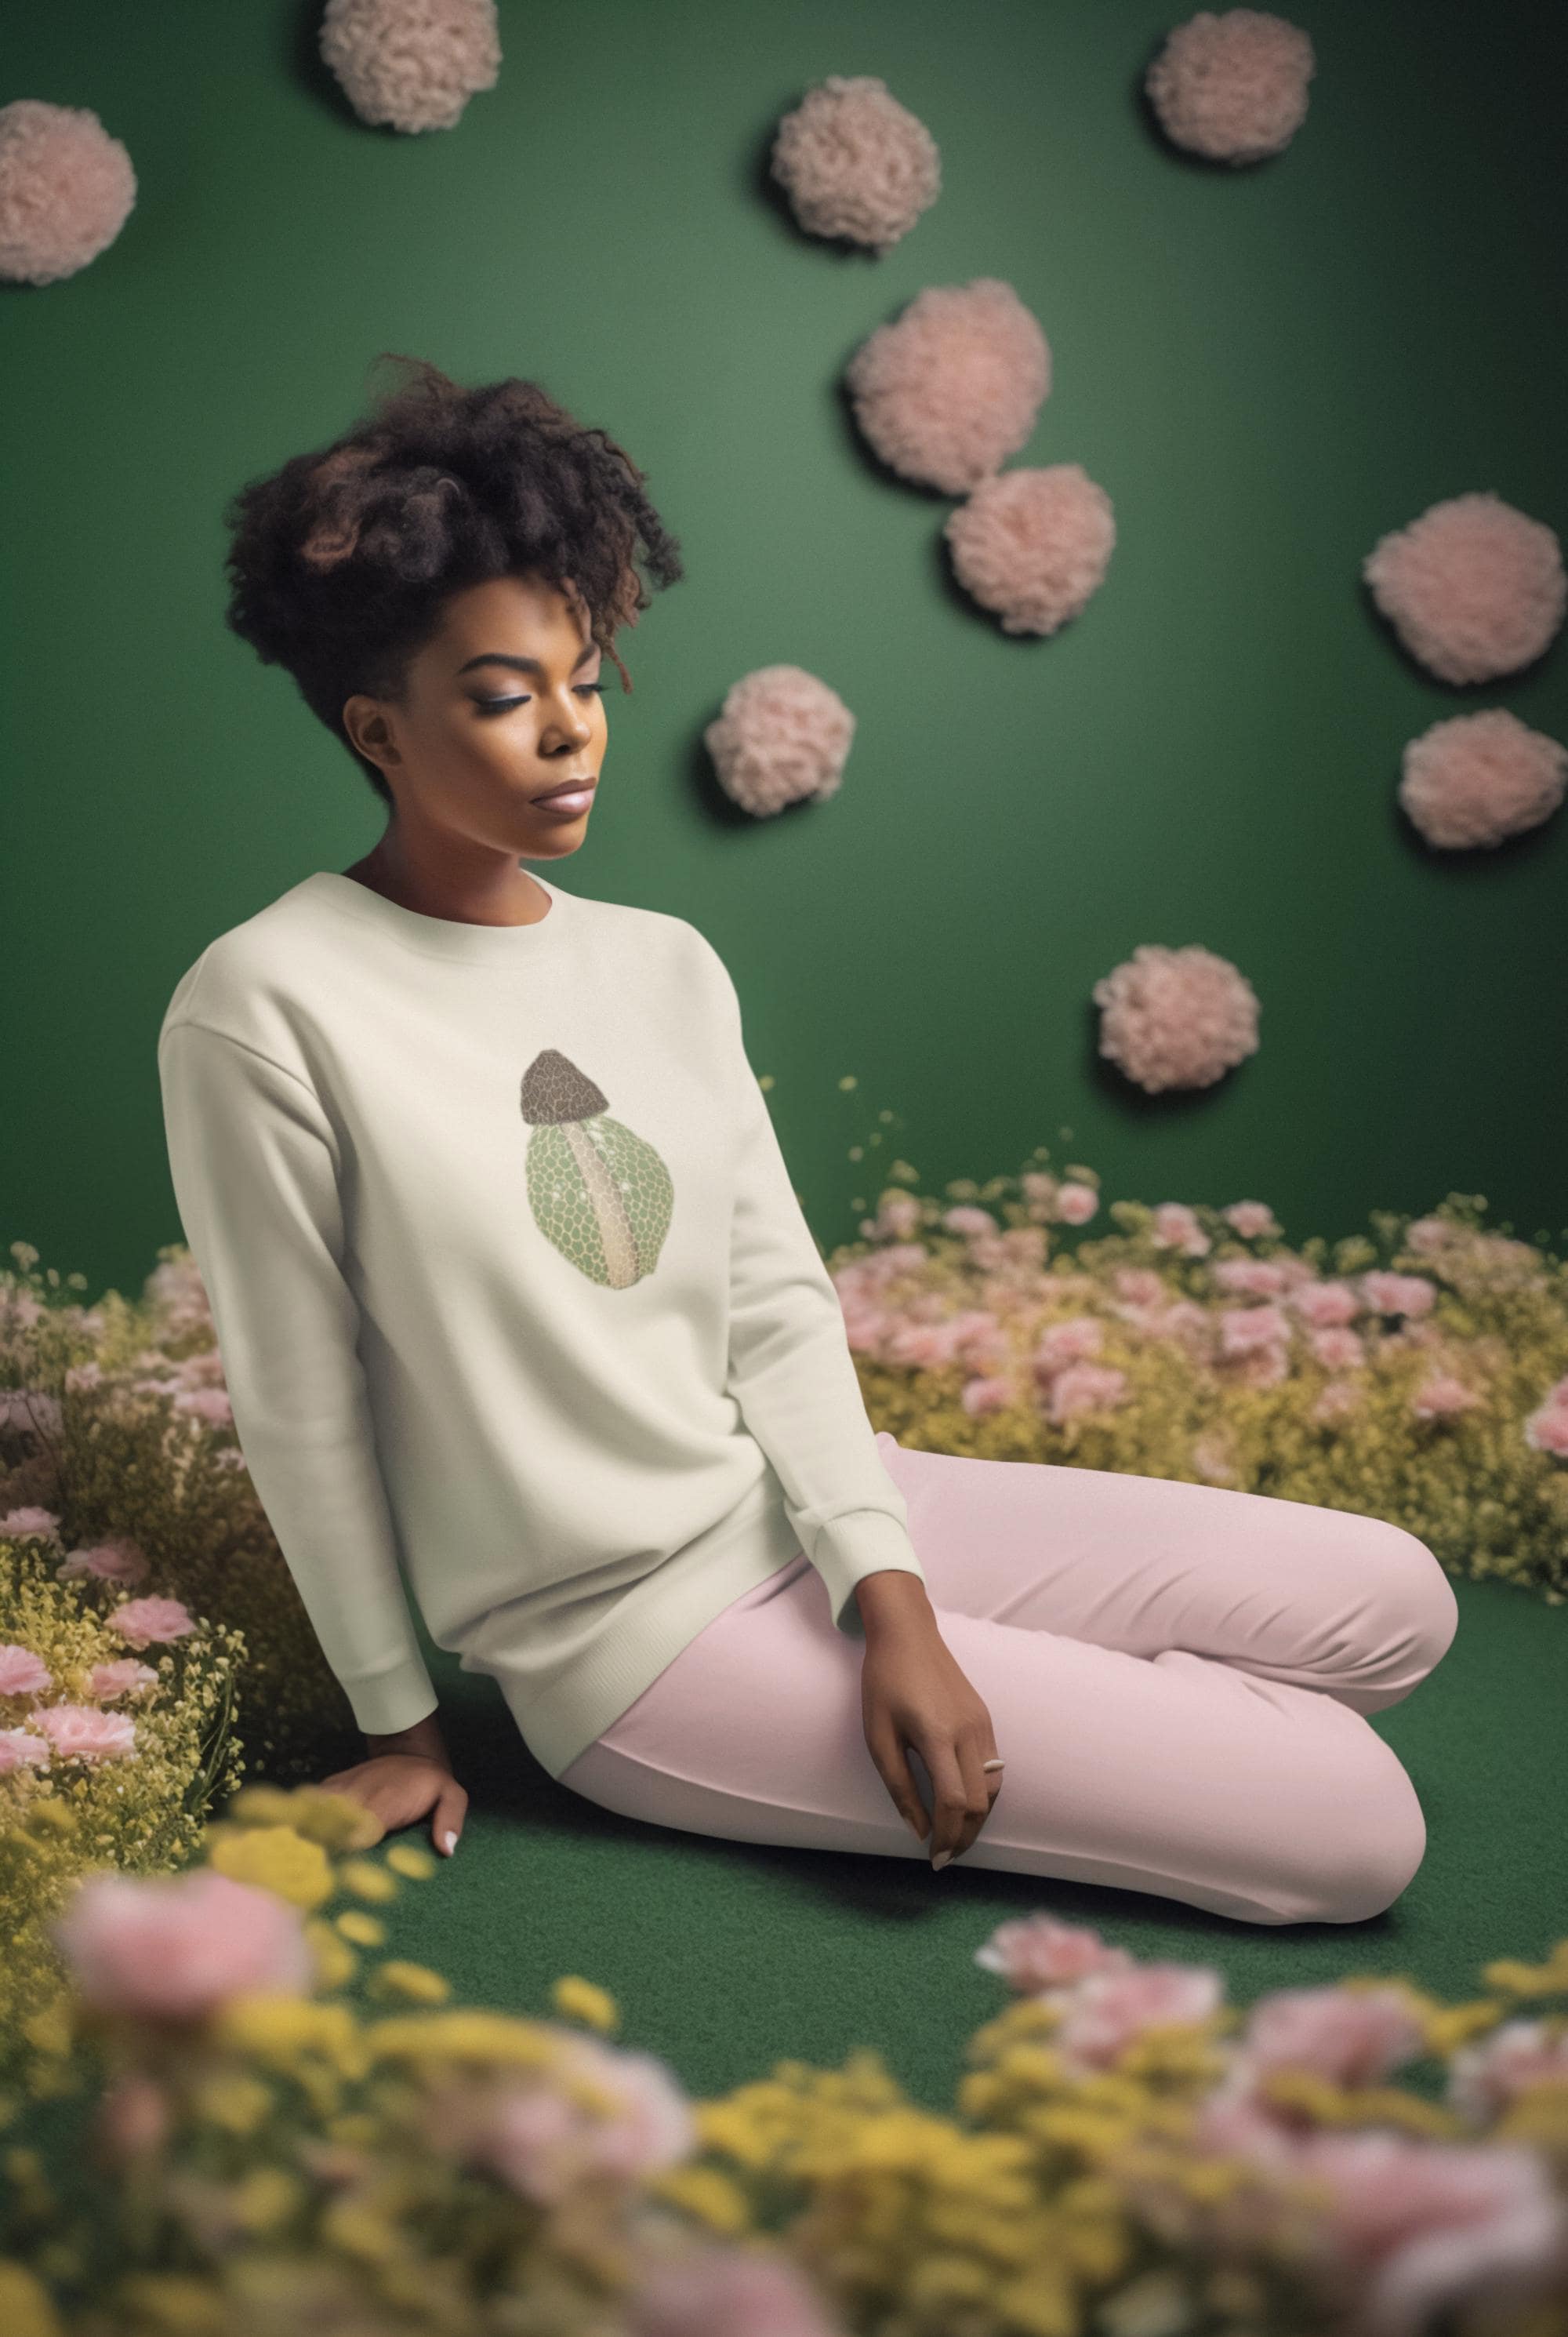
column 517, row 1308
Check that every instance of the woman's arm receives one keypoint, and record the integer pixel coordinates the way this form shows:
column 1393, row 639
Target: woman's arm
column 913, row 1692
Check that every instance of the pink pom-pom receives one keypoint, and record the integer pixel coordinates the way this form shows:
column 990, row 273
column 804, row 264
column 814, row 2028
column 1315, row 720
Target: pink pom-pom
column 412, row 63
column 1032, row 544
column 1473, row 587
column 66, row 188
column 1176, row 1018
column 781, row 736
column 854, row 162
column 175, row 1948
column 950, row 390
column 1232, row 87
column 1479, row 777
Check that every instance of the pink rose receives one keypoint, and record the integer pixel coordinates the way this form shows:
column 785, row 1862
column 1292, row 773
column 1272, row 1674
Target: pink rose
column 982, row 1395
column 1251, row 1218
column 1085, row 1387
column 29, row 1519
column 1036, row 1952
column 1177, row 1226
column 1442, row 1396
column 1255, row 1277
column 81, row 1731
column 1109, row 2008
column 1397, row 1294
column 174, row 1947
column 1077, row 1203
column 966, row 1219
column 120, row 1559
column 139, row 1620
column 22, row 1748
column 1323, row 1303
column 124, row 1677
column 1338, row 1349
column 1244, row 1329
column 1353, row 2037
column 1140, row 1284
column 22, row 1673
column 1069, row 1342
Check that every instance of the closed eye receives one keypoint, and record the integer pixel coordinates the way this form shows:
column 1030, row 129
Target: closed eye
column 500, row 705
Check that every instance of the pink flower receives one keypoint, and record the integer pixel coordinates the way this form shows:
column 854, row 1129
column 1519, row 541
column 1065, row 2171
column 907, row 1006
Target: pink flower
column 1077, row 1203
column 1251, row 1218
column 1140, row 1284
column 16, row 1523
column 542, row 2142
column 719, row 2292
column 19, row 1748
column 1547, row 1429
column 22, row 1673
column 898, row 1214
column 1398, row 1294
column 1266, row 1366
column 982, row 1395
column 1324, row 1304
column 1036, row 1952
column 920, row 1347
column 1429, row 1235
column 1338, row 1398
column 1069, row 1342
column 1109, row 2008
column 81, row 1731
column 1338, row 1349
column 211, row 1405
column 117, row 1561
column 1176, row 1018
column 1177, row 1226
column 124, row 1677
column 1244, row 1329
column 139, row 1620
column 1443, row 1395
column 30, row 1408
column 1486, row 2075
column 1420, row 2224
column 1353, row 2037
column 1258, row 1278
column 964, row 1219
column 1085, row 1387
column 174, row 1947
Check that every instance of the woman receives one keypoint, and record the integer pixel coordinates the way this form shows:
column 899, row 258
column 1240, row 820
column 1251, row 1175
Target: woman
column 513, row 1295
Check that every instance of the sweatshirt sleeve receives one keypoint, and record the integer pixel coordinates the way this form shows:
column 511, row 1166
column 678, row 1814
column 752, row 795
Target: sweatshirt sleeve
column 792, row 1372
column 253, row 1161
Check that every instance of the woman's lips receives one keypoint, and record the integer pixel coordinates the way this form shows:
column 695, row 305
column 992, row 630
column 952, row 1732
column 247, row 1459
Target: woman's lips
column 567, row 802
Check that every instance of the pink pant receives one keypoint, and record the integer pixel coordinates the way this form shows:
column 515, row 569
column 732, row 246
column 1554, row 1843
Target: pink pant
column 1177, row 1676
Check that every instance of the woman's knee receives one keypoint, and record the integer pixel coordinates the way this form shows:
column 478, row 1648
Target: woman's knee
column 1411, row 1596
column 1357, row 1849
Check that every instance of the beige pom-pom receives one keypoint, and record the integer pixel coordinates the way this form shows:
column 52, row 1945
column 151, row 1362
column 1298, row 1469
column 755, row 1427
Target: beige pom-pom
column 1032, row 544
column 781, row 736
column 67, row 188
column 950, row 390
column 1232, row 87
column 410, row 64
column 1176, row 1018
column 854, row 162
column 1473, row 588
column 1479, row 777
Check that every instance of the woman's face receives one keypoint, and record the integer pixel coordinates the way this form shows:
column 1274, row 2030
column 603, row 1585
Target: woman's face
column 504, row 704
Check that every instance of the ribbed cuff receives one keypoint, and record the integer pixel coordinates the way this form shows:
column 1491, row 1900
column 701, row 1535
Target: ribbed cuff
column 392, row 1700
column 862, row 1543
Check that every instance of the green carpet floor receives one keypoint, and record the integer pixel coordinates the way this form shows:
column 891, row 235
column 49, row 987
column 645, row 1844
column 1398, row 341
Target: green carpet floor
column 725, row 1957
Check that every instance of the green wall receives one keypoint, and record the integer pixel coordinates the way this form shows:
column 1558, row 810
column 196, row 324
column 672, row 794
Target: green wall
column 1265, row 369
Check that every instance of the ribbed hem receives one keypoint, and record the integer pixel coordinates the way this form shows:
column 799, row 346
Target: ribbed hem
column 392, row 1700
column 861, row 1542
column 651, row 1628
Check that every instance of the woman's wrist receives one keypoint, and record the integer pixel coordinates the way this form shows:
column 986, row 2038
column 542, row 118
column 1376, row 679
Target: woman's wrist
column 893, row 1600
column 423, row 1737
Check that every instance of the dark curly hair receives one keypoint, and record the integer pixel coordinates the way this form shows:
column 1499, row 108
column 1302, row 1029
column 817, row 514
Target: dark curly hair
column 340, row 561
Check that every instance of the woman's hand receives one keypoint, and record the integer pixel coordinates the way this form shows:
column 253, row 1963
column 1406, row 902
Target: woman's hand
column 912, row 1693
column 405, row 1776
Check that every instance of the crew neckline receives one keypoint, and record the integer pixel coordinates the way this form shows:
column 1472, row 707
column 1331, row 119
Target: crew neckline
column 445, row 937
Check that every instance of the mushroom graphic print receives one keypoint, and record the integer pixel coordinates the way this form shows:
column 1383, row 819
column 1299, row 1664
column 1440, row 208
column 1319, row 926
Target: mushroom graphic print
column 599, row 1191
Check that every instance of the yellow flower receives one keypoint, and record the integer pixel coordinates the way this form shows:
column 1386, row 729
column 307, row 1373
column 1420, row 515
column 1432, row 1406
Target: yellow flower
column 415, row 1981
column 233, row 2100
column 278, row 2029
column 175, row 2303
column 277, row 1858
column 26, row 2308
column 265, row 2197
column 366, row 1880
column 706, row 2194
column 464, row 2034
column 409, row 1859
column 365, row 1930
column 336, row 1962
column 360, row 2230
column 580, row 2000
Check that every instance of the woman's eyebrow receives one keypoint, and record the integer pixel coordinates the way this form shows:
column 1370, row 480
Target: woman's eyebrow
column 523, row 664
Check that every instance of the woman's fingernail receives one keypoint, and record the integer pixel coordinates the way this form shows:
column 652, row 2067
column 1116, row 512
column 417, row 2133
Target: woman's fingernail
column 940, row 1859
column 449, row 1844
